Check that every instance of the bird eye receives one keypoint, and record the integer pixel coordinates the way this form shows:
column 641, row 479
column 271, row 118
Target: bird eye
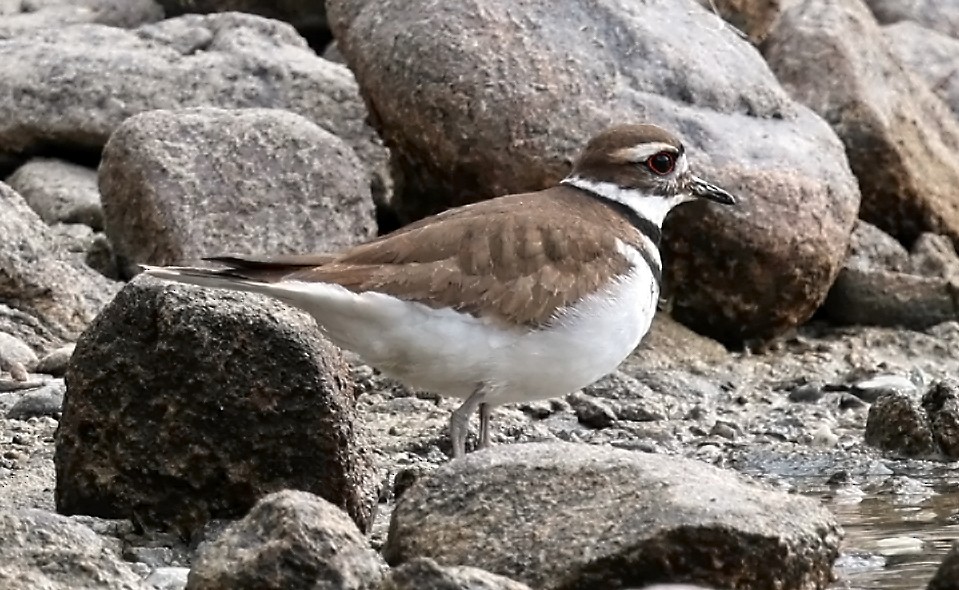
column 661, row 163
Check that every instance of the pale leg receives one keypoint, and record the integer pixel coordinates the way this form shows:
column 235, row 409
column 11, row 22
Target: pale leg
column 459, row 420
column 485, row 410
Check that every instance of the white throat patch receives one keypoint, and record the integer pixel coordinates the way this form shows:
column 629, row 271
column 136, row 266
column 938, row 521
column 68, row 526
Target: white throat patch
column 653, row 208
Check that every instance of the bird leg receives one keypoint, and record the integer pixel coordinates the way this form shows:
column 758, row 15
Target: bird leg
column 485, row 410
column 459, row 420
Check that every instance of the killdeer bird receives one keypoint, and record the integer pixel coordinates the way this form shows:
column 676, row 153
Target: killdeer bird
column 521, row 297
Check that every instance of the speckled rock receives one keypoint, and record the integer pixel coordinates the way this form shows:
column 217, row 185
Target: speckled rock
column 941, row 404
column 289, row 541
column 45, row 401
column 425, row 574
column 640, row 518
column 48, row 297
column 228, row 60
column 218, row 399
column 180, row 185
column 947, row 576
column 56, row 361
column 496, row 117
column 46, row 551
column 897, row 423
column 901, row 140
column 60, row 192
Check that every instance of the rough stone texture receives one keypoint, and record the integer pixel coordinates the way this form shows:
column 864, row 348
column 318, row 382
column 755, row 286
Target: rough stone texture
column 45, row 299
column 289, row 541
column 930, row 55
column 754, row 18
column 167, row 578
column 55, row 362
column 882, row 284
column 478, row 99
column 229, row 60
column 215, row 399
column 46, row 551
column 941, row 404
column 900, row 139
column 179, row 185
column 940, row 15
column 947, row 576
column 13, row 350
column 640, row 518
column 308, row 16
column 30, row 15
column 46, row 401
column 425, row 574
column 898, row 423
column 59, row 191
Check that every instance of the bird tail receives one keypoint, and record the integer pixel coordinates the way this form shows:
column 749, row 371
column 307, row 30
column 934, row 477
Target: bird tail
column 222, row 278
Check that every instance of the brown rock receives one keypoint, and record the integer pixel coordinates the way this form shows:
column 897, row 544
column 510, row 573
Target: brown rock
column 179, row 185
column 640, row 518
column 941, row 403
column 229, row 60
column 46, row 296
column 930, row 55
column 940, row 15
column 514, row 91
column 754, row 18
column 897, row 423
column 289, row 541
column 901, row 140
column 185, row 404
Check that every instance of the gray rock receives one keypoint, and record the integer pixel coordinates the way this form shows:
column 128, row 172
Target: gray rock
column 167, row 578
column 228, row 60
column 900, row 139
column 590, row 411
column 289, row 541
column 215, row 400
column 941, row 404
column 947, row 575
column 930, row 55
column 935, row 256
column 46, row 551
column 60, row 192
column 31, row 15
column 52, row 297
column 101, row 257
column 46, row 401
column 56, row 361
column 941, row 15
column 639, row 518
column 873, row 249
column 496, row 117
column 179, row 185
column 425, row 574
column 13, row 350
column 308, row 16
column 897, row 423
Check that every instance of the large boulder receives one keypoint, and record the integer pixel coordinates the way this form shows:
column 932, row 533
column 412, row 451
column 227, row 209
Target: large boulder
column 179, row 185
column 479, row 99
column 185, row 404
column 901, row 139
column 46, row 298
column 639, row 519
column 289, row 541
column 228, row 60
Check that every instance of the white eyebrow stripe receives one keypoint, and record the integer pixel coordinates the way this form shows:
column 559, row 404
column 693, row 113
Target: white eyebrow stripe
column 640, row 153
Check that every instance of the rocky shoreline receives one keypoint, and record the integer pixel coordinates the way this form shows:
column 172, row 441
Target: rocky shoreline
column 803, row 365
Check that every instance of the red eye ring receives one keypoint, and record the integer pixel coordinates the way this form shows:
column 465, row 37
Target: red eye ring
column 661, row 163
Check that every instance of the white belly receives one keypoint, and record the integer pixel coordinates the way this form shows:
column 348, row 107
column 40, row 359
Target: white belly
column 450, row 353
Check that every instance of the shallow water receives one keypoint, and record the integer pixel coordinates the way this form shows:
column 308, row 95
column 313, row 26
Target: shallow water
column 897, row 528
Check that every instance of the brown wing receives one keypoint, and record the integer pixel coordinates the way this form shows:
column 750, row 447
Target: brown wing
column 518, row 265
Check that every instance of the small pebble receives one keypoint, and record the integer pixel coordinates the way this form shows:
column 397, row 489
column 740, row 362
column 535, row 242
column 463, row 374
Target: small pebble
column 809, row 392
column 45, row 401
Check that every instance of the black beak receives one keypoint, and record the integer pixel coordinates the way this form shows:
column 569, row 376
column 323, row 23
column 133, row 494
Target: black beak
column 701, row 189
